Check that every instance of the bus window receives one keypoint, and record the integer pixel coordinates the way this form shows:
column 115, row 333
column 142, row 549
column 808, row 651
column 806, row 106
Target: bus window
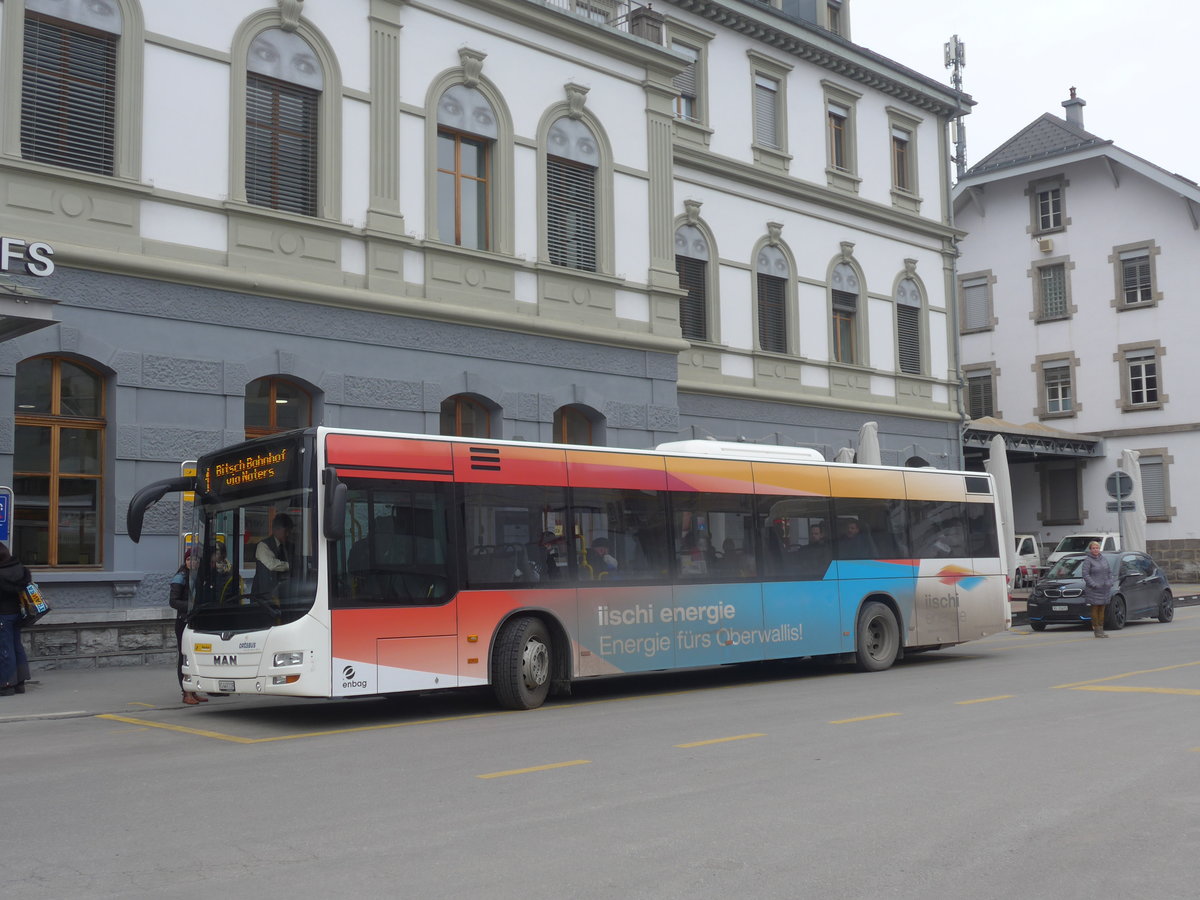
column 505, row 525
column 938, row 528
column 869, row 528
column 395, row 548
column 981, row 529
column 796, row 537
column 713, row 535
column 620, row 534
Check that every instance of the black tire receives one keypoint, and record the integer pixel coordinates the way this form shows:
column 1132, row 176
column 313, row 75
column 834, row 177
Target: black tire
column 1166, row 607
column 877, row 638
column 522, row 664
column 1114, row 618
column 1038, row 626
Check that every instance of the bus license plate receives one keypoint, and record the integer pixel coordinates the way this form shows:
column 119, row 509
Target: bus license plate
column 228, row 687
column 1060, row 608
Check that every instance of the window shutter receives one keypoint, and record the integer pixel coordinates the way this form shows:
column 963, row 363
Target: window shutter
column 1135, row 266
column 571, row 214
column 1154, row 487
column 687, row 82
column 908, row 335
column 281, row 145
column 766, row 121
column 68, row 99
column 977, row 311
column 772, row 313
column 693, row 309
column 980, row 400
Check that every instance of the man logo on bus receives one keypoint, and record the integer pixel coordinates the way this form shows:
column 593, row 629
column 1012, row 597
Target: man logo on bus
column 348, row 672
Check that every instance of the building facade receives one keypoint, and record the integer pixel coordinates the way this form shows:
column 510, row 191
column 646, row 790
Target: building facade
column 591, row 222
column 1075, row 277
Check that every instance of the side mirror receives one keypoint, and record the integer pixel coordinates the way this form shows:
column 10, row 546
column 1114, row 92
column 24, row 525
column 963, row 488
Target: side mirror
column 335, row 506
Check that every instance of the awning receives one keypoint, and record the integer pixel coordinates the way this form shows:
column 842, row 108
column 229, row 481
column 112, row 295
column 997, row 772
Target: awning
column 22, row 310
column 1029, row 442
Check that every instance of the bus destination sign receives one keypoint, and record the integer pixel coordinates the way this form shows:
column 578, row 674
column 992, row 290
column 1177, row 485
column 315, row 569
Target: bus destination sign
column 258, row 470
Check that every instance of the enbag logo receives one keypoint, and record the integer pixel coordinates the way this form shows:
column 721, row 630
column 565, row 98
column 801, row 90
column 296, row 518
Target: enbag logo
column 348, row 682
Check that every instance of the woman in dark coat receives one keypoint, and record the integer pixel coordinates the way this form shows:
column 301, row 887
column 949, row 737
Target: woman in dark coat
column 183, row 585
column 13, row 663
column 1097, row 586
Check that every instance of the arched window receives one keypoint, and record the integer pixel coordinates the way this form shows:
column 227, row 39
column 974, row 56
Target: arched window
column 572, row 426
column 691, row 262
column 845, row 288
column 276, row 404
column 58, row 464
column 466, row 135
column 771, row 280
column 572, row 158
column 284, row 81
column 908, row 327
column 464, row 416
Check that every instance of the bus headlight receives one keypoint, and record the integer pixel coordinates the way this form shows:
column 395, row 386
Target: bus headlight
column 289, row 658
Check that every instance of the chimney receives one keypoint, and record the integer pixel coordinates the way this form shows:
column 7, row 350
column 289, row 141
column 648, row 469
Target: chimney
column 1074, row 108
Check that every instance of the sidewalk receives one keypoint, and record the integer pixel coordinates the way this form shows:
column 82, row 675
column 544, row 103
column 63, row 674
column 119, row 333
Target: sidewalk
column 73, row 693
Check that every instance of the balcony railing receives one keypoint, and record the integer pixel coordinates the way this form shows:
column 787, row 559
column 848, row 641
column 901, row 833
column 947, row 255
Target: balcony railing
column 628, row 16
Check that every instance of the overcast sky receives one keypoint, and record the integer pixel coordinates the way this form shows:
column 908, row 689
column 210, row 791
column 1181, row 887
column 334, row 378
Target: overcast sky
column 1134, row 63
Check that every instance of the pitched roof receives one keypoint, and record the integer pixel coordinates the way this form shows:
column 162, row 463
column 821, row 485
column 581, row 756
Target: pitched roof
column 1045, row 136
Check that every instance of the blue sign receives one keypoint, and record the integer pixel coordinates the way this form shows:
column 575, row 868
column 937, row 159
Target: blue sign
column 5, row 506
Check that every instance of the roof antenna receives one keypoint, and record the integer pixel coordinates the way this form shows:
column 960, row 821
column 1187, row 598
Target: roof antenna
column 956, row 58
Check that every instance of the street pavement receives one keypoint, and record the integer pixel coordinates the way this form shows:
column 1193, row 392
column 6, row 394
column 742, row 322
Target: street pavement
column 75, row 693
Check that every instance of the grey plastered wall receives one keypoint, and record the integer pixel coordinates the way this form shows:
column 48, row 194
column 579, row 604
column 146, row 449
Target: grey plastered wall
column 177, row 359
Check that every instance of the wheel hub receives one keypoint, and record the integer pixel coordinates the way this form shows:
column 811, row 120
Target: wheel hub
column 535, row 664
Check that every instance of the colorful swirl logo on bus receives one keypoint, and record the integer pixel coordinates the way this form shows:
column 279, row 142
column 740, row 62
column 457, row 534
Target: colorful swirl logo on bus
column 957, row 575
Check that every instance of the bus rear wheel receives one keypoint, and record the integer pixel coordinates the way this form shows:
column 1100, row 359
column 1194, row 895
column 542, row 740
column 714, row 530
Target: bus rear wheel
column 877, row 639
column 521, row 664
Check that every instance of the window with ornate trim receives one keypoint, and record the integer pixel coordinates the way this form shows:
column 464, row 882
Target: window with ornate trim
column 766, row 112
column 58, row 463
column 69, row 84
column 691, row 262
column 841, row 136
column 464, row 416
column 284, row 81
column 687, row 84
column 572, row 159
column 772, row 274
column 769, row 109
column 1056, row 396
column 844, row 298
column 909, row 357
column 276, row 404
column 466, row 135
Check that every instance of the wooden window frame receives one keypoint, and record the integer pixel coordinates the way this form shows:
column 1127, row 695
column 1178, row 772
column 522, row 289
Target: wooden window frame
column 254, row 431
column 461, row 137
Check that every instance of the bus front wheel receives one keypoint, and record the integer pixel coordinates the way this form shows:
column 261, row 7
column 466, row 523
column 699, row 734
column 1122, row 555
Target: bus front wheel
column 521, row 664
column 877, row 640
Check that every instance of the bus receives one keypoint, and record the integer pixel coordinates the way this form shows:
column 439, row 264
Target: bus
column 343, row 563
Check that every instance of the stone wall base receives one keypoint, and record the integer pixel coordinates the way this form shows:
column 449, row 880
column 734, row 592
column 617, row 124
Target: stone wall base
column 99, row 645
column 1179, row 559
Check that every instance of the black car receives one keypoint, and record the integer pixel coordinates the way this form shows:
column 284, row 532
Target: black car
column 1140, row 589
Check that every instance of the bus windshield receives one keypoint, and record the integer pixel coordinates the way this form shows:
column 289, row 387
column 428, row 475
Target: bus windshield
column 255, row 530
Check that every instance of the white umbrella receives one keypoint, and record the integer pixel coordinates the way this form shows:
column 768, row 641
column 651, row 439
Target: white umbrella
column 844, row 455
column 1134, row 519
column 868, row 444
column 997, row 466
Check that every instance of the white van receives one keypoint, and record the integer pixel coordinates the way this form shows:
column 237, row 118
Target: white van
column 1078, row 543
column 1027, row 560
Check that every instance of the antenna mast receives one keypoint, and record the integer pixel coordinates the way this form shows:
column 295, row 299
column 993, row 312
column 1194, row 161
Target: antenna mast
column 956, row 59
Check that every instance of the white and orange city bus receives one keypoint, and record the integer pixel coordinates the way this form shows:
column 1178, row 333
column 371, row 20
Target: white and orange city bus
column 416, row 563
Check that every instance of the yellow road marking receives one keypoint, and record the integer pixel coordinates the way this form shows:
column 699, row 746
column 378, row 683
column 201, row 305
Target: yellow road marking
column 1125, row 689
column 139, row 703
column 736, row 737
column 1076, row 684
column 862, row 718
column 984, row 699
column 219, row 736
column 561, row 765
